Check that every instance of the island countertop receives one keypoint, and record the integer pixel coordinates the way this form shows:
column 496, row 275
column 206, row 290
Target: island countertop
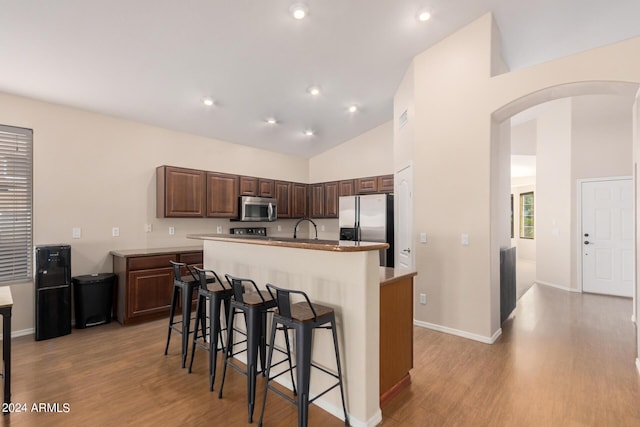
column 319, row 245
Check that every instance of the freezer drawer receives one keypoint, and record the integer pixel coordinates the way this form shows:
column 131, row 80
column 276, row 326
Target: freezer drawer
column 53, row 312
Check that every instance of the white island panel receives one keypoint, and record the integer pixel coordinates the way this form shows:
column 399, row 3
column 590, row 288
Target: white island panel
column 347, row 281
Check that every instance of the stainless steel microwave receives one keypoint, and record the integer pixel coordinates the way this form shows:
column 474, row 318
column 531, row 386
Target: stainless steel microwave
column 257, row 209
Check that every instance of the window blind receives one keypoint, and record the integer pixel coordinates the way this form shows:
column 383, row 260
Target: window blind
column 16, row 189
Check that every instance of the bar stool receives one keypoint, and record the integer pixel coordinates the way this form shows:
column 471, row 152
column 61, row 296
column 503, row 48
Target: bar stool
column 181, row 285
column 254, row 304
column 215, row 293
column 303, row 317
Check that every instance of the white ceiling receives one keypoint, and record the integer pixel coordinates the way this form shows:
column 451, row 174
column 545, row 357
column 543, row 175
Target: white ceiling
column 154, row 61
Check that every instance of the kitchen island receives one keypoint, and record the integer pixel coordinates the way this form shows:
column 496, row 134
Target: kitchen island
column 343, row 275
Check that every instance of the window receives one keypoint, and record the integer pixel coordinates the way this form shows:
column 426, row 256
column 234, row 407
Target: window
column 526, row 216
column 512, row 216
column 15, row 203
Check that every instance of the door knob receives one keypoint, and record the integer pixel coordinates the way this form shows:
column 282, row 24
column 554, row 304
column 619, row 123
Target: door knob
column 586, row 242
column 408, row 250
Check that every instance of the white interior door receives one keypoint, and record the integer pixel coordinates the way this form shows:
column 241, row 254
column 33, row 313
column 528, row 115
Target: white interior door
column 404, row 219
column 607, row 237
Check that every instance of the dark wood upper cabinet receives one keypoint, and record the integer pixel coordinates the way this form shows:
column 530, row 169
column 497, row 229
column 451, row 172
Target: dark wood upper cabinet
column 283, row 198
column 180, row 192
column 346, row 188
column 248, row 186
column 266, row 188
column 366, row 185
column 222, row 195
column 316, row 200
column 385, row 184
column 331, row 199
column 298, row 200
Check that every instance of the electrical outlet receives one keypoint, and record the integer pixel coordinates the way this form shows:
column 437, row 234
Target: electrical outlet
column 279, row 228
column 423, row 299
column 148, row 228
column 172, row 231
column 322, row 228
column 464, row 239
column 115, row 232
column 219, row 229
column 76, row 233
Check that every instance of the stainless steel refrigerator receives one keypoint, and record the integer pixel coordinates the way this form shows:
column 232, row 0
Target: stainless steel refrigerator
column 368, row 219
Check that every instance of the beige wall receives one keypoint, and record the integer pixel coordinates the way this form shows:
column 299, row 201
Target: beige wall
column 97, row 172
column 368, row 154
column 553, row 195
column 455, row 99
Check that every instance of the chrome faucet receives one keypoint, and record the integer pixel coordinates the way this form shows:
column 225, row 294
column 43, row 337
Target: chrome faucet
column 295, row 229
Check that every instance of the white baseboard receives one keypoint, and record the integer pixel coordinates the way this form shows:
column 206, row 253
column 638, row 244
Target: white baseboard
column 633, row 318
column 21, row 333
column 638, row 365
column 464, row 334
column 553, row 285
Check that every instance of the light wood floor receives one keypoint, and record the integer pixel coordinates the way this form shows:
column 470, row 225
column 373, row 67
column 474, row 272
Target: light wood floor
column 563, row 360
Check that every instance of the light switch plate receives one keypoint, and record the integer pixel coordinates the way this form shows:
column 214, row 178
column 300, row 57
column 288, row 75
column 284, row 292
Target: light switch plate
column 76, row 232
column 115, row 232
column 148, row 228
column 423, row 237
column 464, row 239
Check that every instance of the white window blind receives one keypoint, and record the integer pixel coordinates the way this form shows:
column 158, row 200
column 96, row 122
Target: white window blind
column 16, row 179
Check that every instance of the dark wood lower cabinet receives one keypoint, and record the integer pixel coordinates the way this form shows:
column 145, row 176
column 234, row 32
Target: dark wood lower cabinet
column 145, row 283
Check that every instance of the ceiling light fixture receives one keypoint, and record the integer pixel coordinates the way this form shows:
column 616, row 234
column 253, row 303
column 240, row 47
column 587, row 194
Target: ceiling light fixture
column 308, row 132
column 423, row 15
column 353, row 109
column 208, row 102
column 272, row 121
column 299, row 10
column 313, row 90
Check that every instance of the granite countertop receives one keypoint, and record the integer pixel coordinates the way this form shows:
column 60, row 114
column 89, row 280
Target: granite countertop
column 390, row 275
column 289, row 242
column 154, row 251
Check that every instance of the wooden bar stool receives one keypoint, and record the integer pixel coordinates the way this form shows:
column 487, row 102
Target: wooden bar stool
column 213, row 291
column 254, row 304
column 184, row 286
column 303, row 317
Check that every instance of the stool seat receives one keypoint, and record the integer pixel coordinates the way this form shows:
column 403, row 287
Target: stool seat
column 302, row 312
column 257, row 298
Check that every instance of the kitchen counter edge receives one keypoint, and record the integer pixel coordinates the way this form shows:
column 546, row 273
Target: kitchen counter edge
column 320, row 245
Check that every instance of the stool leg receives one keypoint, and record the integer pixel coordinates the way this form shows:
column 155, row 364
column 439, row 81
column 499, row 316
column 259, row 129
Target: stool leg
column 335, row 344
column 172, row 310
column 187, row 293
column 304, row 336
column 227, row 353
column 199, row 321
column 286, row 340
column 214, row 331
column 274, row 326
column 253, row 318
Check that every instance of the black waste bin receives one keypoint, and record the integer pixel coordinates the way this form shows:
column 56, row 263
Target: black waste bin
column 93, row 298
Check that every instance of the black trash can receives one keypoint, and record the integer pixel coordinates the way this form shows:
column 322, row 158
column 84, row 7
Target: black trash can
column 93, row 298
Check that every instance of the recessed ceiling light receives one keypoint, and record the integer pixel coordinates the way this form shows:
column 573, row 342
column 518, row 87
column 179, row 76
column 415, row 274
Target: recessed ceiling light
column 308, row 132
column 272, row 121
column 313, row 90
column 208, row 102
column 424, row 15
column 299, row 10
column 353, row 109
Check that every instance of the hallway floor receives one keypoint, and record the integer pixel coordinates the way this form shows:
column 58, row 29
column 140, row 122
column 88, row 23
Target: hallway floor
column 564, row 359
